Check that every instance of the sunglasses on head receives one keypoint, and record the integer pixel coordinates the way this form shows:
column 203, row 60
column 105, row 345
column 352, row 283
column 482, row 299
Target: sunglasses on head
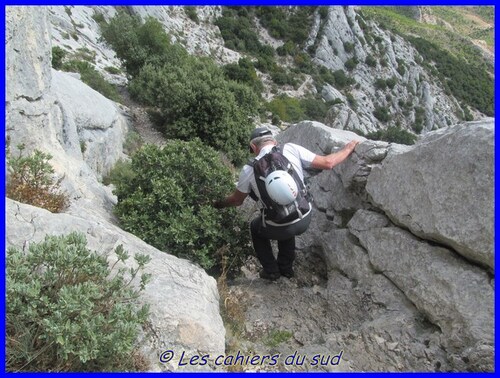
column 260, row 134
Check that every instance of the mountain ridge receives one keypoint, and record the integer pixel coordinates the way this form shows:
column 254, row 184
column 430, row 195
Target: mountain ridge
column 366, row 50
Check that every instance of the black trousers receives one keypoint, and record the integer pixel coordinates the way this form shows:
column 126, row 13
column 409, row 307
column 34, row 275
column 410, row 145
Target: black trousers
column 285, row 235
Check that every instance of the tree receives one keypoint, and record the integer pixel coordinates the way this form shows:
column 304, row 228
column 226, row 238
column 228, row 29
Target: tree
column 195, row 100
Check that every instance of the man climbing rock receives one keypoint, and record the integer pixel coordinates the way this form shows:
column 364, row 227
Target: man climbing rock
column 275, row 178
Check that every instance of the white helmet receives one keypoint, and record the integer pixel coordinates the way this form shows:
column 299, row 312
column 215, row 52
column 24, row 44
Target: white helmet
column 281, row 187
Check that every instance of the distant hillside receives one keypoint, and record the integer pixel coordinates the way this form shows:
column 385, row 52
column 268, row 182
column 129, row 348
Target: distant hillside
column 372, row 70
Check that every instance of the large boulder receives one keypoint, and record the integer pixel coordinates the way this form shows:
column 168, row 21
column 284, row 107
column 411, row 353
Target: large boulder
column 450, row 292
column 442, row 189
column 403, row 275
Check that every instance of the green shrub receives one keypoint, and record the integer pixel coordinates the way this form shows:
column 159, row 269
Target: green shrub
column 244, row 72
column 348, row 47
column 195, row 100
column 304, row 63
column 85, row 54
column 121, row 172
column 287, row 23
column 112, row 70
column 323, row 12
column 382, row 114
column 98, row 17
column 419, row 119
column 315, row 109
column 58, row 55
column 288, row 109
column 31, row 181
column 167, row 202
column 238, row 32
column 380, row 84
column 466, row 81
column 137, row 43
column 191, row 13
column 192, row 95
column 341, row 80
column 371, row 61
column 401, row 67
column 391, row 82
column 277, row 337
column 351, row 64
column 288, row 48
column 68, row 311
column 281, row 76
column 467, row 114
column 352, row 101
column 393, row 134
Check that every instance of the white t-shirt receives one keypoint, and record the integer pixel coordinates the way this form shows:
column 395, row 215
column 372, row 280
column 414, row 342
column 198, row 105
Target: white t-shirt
column 298, row 156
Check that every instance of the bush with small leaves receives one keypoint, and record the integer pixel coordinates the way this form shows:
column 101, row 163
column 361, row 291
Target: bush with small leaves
column 67, row 310
column 58, row 55
column 166, row 200
column 382, row 114
column 351, row 64
column 393, row 134
column 348, row 47
column 288, row 109
column 371, row 61
column 195, row 100
column 30, row 180
column 192, row 14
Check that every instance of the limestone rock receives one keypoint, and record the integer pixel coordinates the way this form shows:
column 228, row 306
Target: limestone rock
column 453, row 294
column 442, row 189
column 94, row 128
column 27, row 59
column 317, row 137
column 81, row 129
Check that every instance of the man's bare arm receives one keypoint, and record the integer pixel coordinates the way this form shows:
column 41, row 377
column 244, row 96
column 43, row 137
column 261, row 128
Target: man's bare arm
column 235, row 199
column 331, row 160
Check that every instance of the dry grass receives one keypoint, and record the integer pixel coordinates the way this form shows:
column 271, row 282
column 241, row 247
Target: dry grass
column 30, row 180
column 47, row 198
column 232, row 311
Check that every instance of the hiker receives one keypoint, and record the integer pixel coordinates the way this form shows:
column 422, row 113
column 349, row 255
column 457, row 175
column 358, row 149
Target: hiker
column 262, row 228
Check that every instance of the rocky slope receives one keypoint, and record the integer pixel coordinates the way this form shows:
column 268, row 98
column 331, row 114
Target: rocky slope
column 417, row 99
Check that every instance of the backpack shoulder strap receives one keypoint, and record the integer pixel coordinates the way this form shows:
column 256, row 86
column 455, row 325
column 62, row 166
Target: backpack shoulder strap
column 251, row 162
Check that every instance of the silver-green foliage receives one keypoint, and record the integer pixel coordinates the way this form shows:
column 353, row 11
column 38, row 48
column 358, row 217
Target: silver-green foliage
column 67, row 310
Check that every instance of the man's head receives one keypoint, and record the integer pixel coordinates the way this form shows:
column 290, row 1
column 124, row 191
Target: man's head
column 260, row 137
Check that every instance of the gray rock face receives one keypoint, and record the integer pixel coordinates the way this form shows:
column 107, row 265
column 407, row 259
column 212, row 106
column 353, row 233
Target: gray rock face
column 442, row 189
column 450, row 292
column 27, row 57
column 96, row 131
column 400, row 275
column 54, row 112
column 183, row 299
column 380, row 287
column 343, row 39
